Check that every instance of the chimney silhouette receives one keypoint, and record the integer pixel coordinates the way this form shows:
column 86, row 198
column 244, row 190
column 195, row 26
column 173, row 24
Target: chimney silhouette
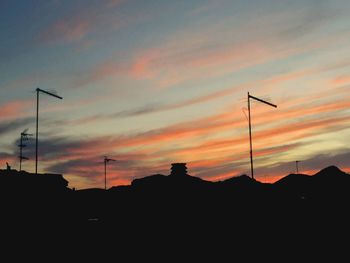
column 178, row 169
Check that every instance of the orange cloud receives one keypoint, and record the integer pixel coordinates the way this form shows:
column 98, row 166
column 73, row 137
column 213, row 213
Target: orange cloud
column 266, row 135
column 173, row 61
column 288, row 132
column 14, row 109
column 341, row 80
column 300, row 108
column 142, row 67
column 197, row 154
column 7, row 158
column 234, row 120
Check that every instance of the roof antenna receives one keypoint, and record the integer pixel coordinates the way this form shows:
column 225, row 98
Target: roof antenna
column 250, row 129
column 107, row 160
column 24, row 137
column 297, row 166
column 37, row 122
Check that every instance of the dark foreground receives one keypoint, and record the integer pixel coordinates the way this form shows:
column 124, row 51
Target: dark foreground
column 181, row 213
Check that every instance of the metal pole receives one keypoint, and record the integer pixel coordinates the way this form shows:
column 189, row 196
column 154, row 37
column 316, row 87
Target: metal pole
column 250, row 128
column 37, row 128
column 20, row 153
column 296, row 164
column 250, row 140
column 37, row 123
column 105, row 174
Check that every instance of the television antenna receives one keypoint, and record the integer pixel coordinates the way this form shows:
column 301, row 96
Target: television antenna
column 297, row 166
column 37, row 123
column 250, row 129
column 24, row 137
column 106, row 161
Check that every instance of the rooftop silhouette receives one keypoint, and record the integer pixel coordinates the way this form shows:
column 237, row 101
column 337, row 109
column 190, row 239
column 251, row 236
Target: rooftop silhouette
column 152, row 204
column 13, row 181
column 178, row 169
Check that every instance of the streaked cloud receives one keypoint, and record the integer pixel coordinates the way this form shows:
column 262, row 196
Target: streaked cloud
column 342, row 80
column 80, row 22
column 7, row 127
column 67, row 31
column 14, row 109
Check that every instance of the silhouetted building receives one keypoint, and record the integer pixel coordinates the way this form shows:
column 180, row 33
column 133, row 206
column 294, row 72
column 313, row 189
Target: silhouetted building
column 178, row 169
column 11, row 180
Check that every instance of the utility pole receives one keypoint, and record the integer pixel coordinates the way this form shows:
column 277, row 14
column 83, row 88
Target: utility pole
column 107, row 160
column 37, row 123
column 250, row 129
column 24, row 137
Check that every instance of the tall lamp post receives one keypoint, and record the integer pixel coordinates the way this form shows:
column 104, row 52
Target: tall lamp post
column 250, row 129
column 37, row 123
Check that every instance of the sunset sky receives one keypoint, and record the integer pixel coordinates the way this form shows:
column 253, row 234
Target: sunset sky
column 154, row 82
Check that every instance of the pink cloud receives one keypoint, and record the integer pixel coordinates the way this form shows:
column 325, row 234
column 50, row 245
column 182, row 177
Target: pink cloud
column 67, row 30
column 342, row 80
column 102, row 71
column 78, row 25
column 142, row 67
column 237, row 147
column 232, row 119
column 7, row 158
column 14, row 109
column 174, row 62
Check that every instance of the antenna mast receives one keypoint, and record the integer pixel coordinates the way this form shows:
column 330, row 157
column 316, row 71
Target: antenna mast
column 37, row 123
column 250, row 129
column 24, row 137
column 297, row 166
column 107, row 160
